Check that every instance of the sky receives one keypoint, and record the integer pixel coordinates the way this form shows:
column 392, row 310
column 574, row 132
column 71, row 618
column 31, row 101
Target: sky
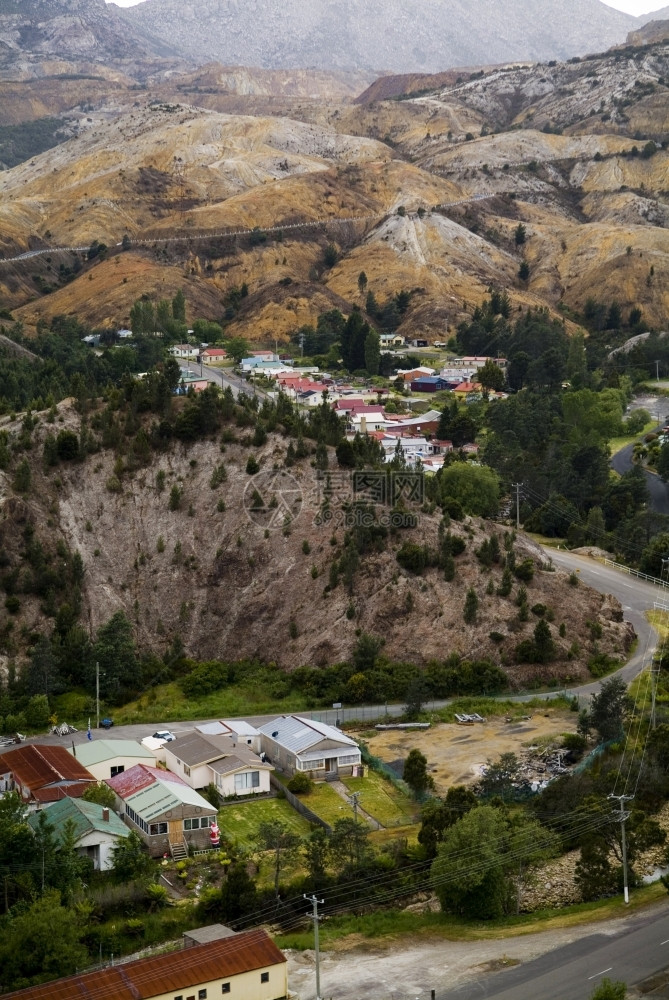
column 635, row 7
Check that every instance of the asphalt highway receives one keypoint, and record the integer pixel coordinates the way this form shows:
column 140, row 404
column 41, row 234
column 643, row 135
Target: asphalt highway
column 659, row 491
column 630, row 954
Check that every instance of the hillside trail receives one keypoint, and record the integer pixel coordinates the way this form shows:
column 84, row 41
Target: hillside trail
column 408, row 967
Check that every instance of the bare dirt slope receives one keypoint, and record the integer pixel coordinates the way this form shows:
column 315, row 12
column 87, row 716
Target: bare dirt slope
column 231, row 585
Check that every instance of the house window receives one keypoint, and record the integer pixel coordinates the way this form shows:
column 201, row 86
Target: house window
column 137, row 820
column 180, row 997
column 264, row 977
column 198, row 822
column 249, row 779
column 187, row 770
column 311, row 765
column 225, row 987
column 157, row 828
column 201, row 995
column 352, row 758
column 117, row 770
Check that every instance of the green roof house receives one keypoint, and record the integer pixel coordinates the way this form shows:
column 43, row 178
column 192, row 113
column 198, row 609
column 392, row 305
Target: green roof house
column 107, row 758
column 96, row 829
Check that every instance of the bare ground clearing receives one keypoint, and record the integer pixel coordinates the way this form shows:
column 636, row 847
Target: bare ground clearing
column 455, row 754
column 410, row 968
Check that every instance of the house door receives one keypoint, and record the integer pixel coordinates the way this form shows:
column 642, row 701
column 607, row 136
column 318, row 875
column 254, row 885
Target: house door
column 176, row 832
column 330, row 764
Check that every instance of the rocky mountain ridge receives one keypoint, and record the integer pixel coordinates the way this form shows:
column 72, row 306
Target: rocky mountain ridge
column 410, row 36
column 43, row 37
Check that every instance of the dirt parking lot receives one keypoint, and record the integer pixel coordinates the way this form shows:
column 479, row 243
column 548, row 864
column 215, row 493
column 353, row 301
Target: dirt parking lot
column 455, row 754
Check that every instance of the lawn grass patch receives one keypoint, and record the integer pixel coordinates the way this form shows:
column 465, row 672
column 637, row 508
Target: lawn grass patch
column 382, row 800
column 326, row 803
column 239, row 822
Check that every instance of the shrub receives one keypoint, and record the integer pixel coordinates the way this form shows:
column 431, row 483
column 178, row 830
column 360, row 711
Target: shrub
column 252, row 466
column 525, row 570
column 600, row 664
column 205, row 678
column 300, row 784
column 413, row 558
column 539, row 610
column 574, row 742
column 175, row 498
column 67, row 445
column 12, row 603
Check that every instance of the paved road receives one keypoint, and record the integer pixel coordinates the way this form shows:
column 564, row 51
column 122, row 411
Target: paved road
column 225, row 379
column 659, row 491
column 636, row 596
column 572, row 972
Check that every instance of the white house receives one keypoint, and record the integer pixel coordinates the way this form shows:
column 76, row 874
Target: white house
column 156, row 746
column 183, row 351
column 296, row 744
column 107, row 758
column 243, row 731
column 97, row 830
column 222, row 760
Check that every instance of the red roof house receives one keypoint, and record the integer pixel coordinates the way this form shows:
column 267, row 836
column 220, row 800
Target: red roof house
column 43, row 773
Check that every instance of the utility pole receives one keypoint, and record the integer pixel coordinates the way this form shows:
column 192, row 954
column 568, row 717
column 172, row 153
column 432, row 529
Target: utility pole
column 622, row 815
column 657, row 371
column 354, row 803
column 314, row 916
column 517, row 487
column 97, row 692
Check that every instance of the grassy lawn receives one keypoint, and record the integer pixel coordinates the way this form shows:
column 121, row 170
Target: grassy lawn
column 326, row 803
column 240, row 822
column 382, row 800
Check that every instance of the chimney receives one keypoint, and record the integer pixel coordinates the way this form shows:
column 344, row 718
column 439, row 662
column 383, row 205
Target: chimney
column 105, row 814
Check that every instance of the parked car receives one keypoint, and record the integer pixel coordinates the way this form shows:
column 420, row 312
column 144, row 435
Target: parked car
column 107, row 723
column 164, row 734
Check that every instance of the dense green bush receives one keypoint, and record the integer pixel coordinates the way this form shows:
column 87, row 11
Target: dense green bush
column 205, row 678
column 300, row 784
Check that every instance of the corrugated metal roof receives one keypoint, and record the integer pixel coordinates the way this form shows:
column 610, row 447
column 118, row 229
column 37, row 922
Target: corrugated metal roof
column 37, row 766
column 86, row 816
column 53, row 793
column 99, row 750
column 152, row 792
column 298, row 734
column 240, row 727
column 172, row 973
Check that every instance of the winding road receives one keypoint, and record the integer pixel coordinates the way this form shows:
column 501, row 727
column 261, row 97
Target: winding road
column 659, row 491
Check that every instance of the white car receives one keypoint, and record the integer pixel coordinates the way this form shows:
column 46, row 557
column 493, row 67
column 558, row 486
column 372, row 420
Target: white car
column 164, row 734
